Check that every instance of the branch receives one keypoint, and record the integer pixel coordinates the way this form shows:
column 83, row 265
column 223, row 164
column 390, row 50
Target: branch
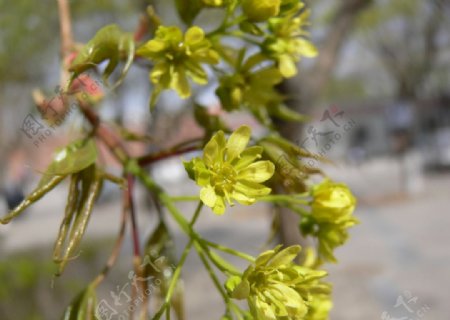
column 154, row 157
column 66, row 37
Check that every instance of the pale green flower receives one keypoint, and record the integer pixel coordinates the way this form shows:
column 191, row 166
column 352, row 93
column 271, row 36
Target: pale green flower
column 319, row 307
column 332, row 207
column 288, row 41
column 252, row 89
column 332, row 202
column 177, row 58
column 229, row 171
column 260, row 10
column 276, row 288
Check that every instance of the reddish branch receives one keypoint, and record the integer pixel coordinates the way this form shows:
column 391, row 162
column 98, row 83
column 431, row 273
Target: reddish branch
column 153, row 157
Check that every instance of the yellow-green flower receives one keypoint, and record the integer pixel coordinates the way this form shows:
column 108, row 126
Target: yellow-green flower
column 319, row 307
column 332, row 202
column 260, row 10
column 331, row 215
column 177, row 57
column 276, row 288
column 288, row 42
column 228, row 171
column 252, row 89
column 214, row 3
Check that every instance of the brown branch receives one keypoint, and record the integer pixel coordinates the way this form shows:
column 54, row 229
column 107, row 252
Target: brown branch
column 154, row 157
column 66, row 37
column 112, row 142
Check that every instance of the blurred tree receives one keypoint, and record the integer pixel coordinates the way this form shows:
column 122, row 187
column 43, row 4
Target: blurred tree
column 304, row 91
column 409, row 38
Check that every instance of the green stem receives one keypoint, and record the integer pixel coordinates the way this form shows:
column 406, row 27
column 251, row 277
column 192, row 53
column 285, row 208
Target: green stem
column 230, row 251
column 167, row 201
column 215, row 280
column 177, row 272
column 282, row 198
column 185, row 198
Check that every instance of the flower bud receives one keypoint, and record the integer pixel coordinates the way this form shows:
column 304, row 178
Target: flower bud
column 332, row 202
column 260, row 10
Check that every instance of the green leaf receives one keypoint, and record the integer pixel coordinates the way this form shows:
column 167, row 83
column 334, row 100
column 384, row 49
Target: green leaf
column 77, row 216
column 189, row 167
column 253, row 61
column 36, row 195
column 109, row 44
column 71, row 159
column 83, row 307
column 74, row 158
column 188, row 10
column 282, row 112
column 251, row 28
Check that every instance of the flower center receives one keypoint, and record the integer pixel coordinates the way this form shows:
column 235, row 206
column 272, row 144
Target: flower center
column 224, row 179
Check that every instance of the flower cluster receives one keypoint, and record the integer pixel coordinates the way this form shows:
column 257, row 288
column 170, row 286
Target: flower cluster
column 254, row 90
column 331, row 215
column 276, row 288
column 176, row 58
column 228, row 171
column 288, row 42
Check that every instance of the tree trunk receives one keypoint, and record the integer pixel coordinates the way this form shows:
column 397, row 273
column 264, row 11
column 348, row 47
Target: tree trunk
column 311, row 85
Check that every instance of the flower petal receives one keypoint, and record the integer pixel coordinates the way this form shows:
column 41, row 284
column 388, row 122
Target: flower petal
column 237, row 142
column 259, row 171
column 285, row 256
column 152, row 47
column 213, row 149
column 208, row 196
column 247, row 157
column 219, row 207
column 287, row 66
column 196, row 72
column 251, row 189
column 180, row 82
column 243, row 198
column 194, row 35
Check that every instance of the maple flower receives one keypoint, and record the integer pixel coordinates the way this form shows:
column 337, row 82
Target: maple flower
column 229, row 171
column 178, row 58
column 260, row 10
column 276, row 288
column 331, row 215
column 288, row 41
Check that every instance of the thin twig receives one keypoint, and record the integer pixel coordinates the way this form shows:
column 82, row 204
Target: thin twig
column 66, row 37
column 118, row 244
column 154, row 157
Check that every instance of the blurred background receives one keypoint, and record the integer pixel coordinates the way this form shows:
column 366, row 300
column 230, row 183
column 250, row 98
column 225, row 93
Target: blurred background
column 378, row 95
